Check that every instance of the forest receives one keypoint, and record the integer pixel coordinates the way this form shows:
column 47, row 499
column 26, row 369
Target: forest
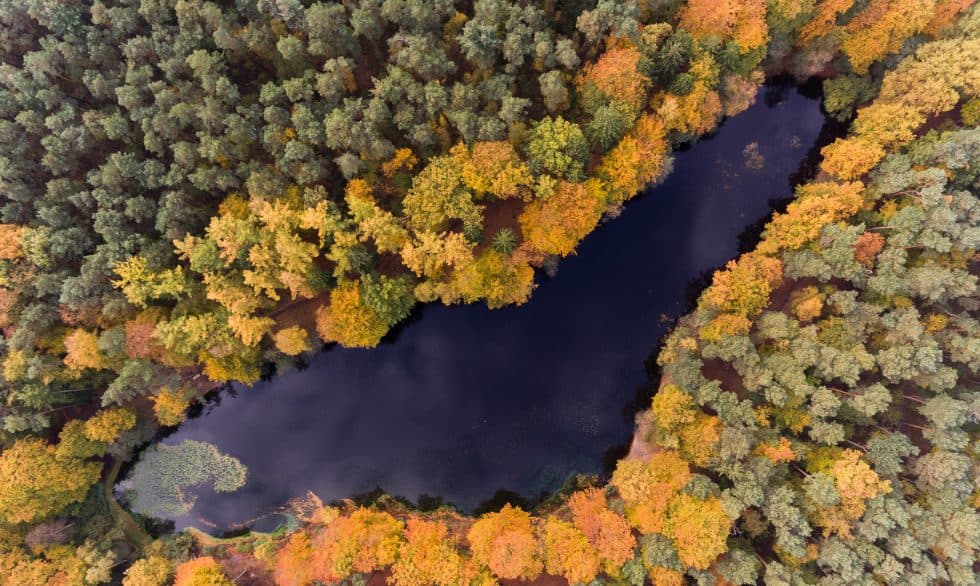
column 196, row 192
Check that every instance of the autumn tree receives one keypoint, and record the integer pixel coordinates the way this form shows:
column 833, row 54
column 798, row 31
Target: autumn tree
column 107, row 425
column 36, row 484
column 647, row 488
column 149, row 571
column 83, row 352
column 427, row 556
column 556, row 225
column 362, row 542
column 294, row 561
column 607, row 531
column 567, row 552
column 202, row 571
column 741, row 20
column 348, row 320
column 504, row 542
column 638, row 160
column 170, row 405
column 494, row 168
column 292, row 340
column 744, row 286
column 700, row 529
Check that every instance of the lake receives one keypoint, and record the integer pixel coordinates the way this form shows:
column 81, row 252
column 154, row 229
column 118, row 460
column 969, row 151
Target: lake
column 463, row 401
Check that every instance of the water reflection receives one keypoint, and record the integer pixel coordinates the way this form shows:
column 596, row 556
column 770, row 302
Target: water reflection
column 466, row 401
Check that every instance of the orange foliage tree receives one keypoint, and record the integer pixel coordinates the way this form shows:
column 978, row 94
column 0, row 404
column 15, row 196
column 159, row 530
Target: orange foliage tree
column 556, row 225
column 647, row 487
column 202, row 571
column 362, row 542
column 615, row 75
column 427, row 557
column 607, row 531
column 83, row 351
column 882, row 27
column 636, row 161
column 10, row 238
column 294, row 561
column 867, row 247
column 824, row 21
column 741, row 20
column 504, row 542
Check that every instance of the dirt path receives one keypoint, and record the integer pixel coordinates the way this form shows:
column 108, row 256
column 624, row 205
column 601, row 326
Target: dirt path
column 133, row 531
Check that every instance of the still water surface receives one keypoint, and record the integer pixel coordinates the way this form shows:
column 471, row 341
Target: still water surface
column 465, row 401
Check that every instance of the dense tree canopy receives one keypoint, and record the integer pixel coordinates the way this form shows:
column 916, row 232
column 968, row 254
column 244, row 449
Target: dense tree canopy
column 192, row 189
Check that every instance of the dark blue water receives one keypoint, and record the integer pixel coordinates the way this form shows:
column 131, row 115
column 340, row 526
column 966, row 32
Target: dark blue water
column 466, row 401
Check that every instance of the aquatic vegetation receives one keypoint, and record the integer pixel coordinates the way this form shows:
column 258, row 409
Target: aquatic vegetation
column 177, row 174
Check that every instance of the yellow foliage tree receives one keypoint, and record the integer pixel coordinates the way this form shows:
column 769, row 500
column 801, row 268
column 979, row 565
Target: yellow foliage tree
column 432, row 253
column 852, row 157
column 889, row 124
column 373, row 222
column 672, row 410
column 699, row 529
column 567, row 552
column 107, row 425
column 35, row 484
column 292, row 340
column 856, row 484
column 498, row 278
column 806, row 303
column 744, row 286
column 439, row 195
column 170, row 405
column 699, row 440
column 149, row 571
column 348, row 320
column 882, row 27
column 816, row 205
column 494, row 168
column 724, row 325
